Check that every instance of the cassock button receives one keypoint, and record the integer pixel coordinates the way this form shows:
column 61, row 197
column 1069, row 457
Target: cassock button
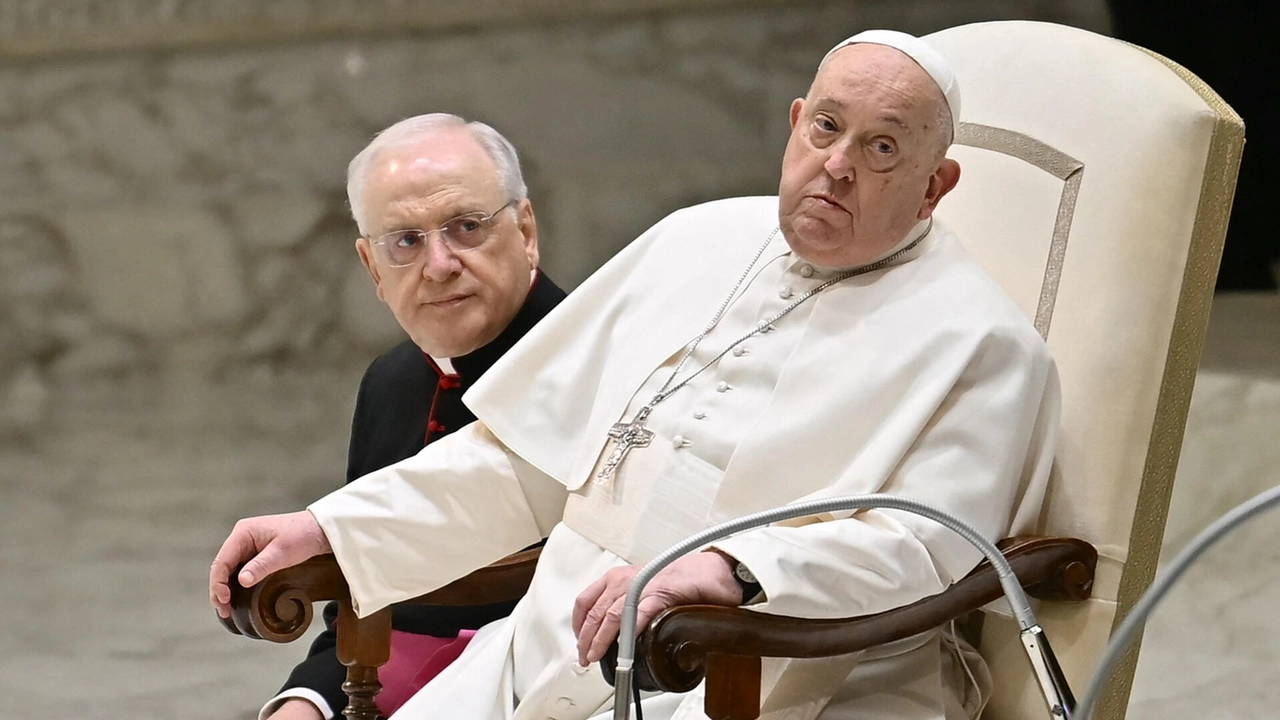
column 564, row 703
column 739, row 351
column 784, row 293
column 806, row 270
column 699, row 415
column 722, row 386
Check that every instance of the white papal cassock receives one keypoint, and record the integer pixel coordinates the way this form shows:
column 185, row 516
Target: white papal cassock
column 921, row 379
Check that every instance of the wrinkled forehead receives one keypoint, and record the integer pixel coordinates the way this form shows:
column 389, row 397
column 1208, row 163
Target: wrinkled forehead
column 875, row 79
column 929, row 60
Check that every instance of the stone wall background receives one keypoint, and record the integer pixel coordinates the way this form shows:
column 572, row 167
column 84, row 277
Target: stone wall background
column 183, row 320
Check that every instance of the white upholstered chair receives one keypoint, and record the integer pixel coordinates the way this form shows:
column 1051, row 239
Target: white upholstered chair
column 1097, row 180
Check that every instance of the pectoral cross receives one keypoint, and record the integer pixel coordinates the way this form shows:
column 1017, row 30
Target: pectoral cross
column 626, row 436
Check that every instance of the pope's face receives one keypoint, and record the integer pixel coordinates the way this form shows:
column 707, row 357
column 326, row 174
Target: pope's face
column 864, row 162
column 450, row 301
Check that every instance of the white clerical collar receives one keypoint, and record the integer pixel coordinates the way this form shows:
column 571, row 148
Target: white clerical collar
column 918, row 231
column 446, row 364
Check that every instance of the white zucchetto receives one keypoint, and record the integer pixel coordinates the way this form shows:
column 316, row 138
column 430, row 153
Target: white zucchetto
column 929, row 60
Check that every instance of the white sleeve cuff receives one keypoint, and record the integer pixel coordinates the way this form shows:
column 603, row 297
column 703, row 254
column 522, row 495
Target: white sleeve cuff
column 307, row 694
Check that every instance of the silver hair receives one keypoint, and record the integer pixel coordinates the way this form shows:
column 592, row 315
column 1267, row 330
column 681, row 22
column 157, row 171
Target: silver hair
column 498, row 148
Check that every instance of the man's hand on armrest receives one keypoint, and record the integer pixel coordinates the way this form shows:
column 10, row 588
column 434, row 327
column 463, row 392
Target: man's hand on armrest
column 269, row 543
column 697, row 578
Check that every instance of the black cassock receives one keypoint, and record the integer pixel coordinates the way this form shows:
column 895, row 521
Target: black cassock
column 405, row 402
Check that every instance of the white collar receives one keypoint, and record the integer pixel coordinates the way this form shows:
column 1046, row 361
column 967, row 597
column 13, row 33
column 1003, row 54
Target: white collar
column 446, row 364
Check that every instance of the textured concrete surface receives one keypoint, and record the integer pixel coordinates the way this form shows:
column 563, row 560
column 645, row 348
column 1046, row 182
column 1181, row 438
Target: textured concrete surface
column 107, row 529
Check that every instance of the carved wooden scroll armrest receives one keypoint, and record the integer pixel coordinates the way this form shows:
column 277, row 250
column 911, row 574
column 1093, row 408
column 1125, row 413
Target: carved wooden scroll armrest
column 685, row 644
column 279, row 609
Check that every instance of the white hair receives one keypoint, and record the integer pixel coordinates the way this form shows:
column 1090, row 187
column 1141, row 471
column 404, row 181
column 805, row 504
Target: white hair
column 497, row 147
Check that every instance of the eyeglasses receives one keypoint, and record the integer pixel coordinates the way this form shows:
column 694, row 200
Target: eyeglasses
column 403, row 248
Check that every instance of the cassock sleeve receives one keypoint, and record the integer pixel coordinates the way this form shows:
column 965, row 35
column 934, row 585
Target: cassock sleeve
column 984, row 456
column 462, row 503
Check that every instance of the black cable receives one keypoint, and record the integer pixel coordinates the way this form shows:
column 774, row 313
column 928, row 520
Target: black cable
column 635, row 693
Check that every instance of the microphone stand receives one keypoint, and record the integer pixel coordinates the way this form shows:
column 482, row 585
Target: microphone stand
column 1048, row 674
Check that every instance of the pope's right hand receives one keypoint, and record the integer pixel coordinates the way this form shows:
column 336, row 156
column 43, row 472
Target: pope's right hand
column 268, row 543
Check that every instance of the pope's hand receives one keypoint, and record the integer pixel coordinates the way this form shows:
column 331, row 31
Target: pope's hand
column 268, row 543
column 704, row 578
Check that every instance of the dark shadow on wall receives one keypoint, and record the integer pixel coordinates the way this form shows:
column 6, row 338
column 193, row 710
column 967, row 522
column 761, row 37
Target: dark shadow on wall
column 1230, row 44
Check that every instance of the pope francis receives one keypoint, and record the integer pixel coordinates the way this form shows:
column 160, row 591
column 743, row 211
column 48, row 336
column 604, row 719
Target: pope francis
column 739, row 355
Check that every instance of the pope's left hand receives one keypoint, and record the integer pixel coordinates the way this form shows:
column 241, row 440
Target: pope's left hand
column 704, row 578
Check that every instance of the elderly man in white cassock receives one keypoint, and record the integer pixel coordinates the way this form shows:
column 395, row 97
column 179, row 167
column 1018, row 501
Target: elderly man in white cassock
column 740, row 355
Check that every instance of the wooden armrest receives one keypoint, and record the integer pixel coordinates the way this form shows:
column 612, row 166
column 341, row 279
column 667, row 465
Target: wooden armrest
column 674, row 651
column 279, row 608
column 504, row 581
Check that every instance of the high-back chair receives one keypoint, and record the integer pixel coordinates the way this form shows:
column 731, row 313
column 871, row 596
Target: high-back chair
column 1097, row 180
column 1096, row 185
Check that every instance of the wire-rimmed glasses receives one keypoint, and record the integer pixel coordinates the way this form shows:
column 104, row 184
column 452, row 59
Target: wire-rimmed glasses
column 402, row 248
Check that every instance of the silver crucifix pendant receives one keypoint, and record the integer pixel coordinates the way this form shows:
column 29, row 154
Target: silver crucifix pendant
column 626, row 436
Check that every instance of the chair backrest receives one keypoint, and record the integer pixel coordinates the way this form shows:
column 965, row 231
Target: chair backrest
column 1096, row 183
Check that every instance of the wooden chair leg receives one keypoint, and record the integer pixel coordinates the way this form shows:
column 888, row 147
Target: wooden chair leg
column 364, row 645
column 733, row 687
column 361, row 687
